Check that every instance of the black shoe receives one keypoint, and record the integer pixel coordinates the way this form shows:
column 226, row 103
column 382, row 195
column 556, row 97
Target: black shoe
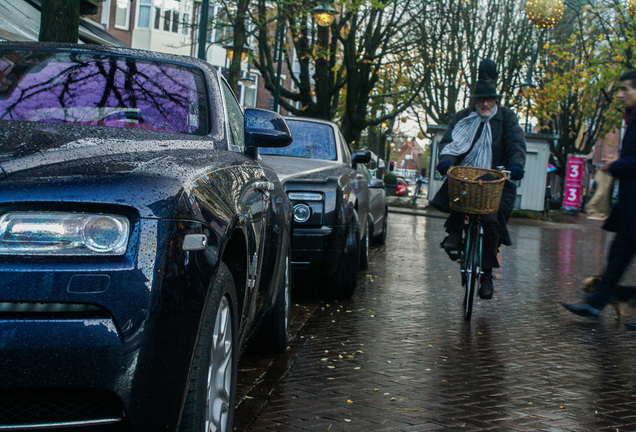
column 486, row 286
column 584, row 310
column 452, row 245
column 631, row 325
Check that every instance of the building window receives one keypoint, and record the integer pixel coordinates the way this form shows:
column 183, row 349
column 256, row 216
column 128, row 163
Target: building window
column 185, row 27
column 171, row 21
column 105, row 14
column 167, row 16
column 157, row 17
column 223, row 31
column 175, row 22
column 248, row 90
column 122, row 15
column 145, row 10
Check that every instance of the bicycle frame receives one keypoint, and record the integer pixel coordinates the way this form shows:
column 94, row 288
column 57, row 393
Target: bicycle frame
column 471, row 261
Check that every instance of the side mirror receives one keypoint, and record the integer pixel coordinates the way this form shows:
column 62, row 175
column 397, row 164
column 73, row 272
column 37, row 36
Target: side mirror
column 265, row 128
column 376, row 184
column 361, row 156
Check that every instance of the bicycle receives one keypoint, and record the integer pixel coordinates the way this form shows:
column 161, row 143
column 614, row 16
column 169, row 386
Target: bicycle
column 470, row 195
column 417, row 190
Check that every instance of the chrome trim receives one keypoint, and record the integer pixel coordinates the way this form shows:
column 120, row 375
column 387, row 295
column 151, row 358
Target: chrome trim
column 193, row 242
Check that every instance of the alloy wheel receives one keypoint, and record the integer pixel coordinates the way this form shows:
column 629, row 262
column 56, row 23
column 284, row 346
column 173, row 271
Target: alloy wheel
column 220, row 371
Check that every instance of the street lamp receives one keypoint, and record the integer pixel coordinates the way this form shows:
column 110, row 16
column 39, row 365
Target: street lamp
column 229, row 51
column 324, row 14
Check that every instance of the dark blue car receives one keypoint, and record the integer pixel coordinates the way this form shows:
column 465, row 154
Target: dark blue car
column 141, row 239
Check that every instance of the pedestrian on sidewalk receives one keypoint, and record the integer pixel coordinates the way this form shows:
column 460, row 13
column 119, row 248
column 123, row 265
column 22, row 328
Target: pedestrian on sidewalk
column 484, row 135
column 622, row 219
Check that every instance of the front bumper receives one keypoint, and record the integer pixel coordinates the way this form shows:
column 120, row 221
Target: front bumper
column 317, row 251
column 95, row 341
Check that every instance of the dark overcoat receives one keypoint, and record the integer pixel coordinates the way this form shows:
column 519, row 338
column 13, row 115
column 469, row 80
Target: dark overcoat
column 508, row 148
column 622, row 219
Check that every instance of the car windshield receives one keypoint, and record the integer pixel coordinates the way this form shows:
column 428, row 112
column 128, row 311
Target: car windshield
column 102, row 90
column 311, row 141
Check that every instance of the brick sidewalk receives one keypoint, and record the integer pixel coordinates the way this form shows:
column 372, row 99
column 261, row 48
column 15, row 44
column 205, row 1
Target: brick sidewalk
column 399, row 357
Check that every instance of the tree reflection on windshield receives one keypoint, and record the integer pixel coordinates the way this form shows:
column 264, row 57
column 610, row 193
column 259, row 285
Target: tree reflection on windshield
column 101, row 89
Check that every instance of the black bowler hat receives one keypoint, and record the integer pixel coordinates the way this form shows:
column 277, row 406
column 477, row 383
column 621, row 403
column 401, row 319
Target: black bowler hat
column 486, row 86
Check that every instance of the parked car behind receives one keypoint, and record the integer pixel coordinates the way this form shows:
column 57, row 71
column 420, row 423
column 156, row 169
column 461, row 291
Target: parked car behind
column 141, row 242
column 402, row 187
column 378, row 209
column 327, row 187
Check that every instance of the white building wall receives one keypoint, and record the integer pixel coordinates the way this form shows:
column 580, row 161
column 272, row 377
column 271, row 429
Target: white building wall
column 147, row 36
column 531, row 191
column 157, row 34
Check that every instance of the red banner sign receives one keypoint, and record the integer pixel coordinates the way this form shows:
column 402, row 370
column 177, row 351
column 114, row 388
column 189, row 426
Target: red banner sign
column 573, row 182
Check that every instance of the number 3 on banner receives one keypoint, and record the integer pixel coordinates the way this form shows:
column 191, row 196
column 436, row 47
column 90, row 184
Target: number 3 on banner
column 572, row 194
column 574, row 172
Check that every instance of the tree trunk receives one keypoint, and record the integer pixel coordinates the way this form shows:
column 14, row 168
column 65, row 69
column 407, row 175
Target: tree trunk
column 59, row 21
column 239, row 42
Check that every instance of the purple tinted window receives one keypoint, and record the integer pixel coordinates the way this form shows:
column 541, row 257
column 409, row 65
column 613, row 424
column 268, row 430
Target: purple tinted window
column 102, row 90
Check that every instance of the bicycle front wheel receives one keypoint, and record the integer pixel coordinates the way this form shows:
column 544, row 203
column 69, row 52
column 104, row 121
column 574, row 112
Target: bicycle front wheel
column 471, row 268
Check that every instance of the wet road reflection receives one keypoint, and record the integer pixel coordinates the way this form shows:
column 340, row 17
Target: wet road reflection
column 399, row 357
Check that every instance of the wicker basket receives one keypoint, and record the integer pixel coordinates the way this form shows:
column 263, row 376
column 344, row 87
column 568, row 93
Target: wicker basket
column 468, row 195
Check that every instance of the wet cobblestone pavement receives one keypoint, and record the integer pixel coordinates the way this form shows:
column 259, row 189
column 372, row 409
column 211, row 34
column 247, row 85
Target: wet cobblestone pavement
column 399, row 357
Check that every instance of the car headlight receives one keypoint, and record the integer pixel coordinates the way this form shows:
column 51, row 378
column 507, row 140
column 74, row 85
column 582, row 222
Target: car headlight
column 58, row 233
column 302, row 213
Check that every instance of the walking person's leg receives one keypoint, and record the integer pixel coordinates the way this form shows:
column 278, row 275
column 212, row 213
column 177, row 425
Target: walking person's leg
column 453, row 242
column 490, row 246
column 620, row 254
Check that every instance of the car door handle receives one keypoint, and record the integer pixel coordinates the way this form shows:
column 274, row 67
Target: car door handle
column 264, row 186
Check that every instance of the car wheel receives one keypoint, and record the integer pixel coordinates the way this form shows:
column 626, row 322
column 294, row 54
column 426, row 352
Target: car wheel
column 276, row 326
column 364, row 248
column 381, row 239
column 372, row 233
column 342, row 284
column 210, row 401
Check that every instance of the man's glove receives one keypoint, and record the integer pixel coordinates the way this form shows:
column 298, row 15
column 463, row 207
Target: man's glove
column 443, row 167
column 516, row 172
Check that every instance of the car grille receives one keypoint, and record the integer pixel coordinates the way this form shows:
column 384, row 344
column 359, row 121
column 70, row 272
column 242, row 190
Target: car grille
column 36, row 409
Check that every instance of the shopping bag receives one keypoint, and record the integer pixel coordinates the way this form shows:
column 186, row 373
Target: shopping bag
column 598, row 207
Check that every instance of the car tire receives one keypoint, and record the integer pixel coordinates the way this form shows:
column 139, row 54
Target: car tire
column 381, row 239
column 211, row 394
column 342, row 284
column 275, row 329
column 364, row 246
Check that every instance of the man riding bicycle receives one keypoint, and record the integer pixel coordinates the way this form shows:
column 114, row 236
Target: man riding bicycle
column 484, row 135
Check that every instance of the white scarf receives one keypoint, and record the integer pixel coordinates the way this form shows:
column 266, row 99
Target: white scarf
column 463, row 135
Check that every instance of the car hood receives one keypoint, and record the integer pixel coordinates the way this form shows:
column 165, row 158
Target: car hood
column 290, row 168
column 37, row 150
column 151, row 172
